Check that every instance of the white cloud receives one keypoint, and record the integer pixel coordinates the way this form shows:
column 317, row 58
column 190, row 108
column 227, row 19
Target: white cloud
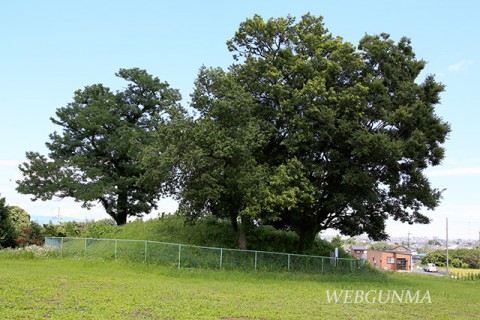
column 10, row 163
column 455, row 172
column 461, row 65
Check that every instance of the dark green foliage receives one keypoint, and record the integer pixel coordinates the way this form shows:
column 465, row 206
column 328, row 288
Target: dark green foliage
column 219, row 173
column 26, row 232
column 336, row 241
column 50, row 230
column 304, row 132
column 36, row 235
column 472, row 260
column 341, row 134
column 92, row 229
column 20, row 218
column 438, row 257
column 95, row 158
column 459, row 258
column 8, row 233
column 98, row 229
column 307, row 132
column 70, row 229
column 457, row 263
column 33, row 234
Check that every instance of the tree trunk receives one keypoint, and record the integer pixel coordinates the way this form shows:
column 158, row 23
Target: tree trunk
column 242, row 235
column 306, row 239
column 240, row 229
column 122, row 208
column 242, row 238
column 120, row 218
column 233, row 220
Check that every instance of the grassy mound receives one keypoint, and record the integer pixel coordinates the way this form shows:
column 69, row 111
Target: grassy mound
column 206, row 232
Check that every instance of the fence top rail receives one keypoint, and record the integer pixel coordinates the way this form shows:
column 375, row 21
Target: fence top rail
column 203, row 247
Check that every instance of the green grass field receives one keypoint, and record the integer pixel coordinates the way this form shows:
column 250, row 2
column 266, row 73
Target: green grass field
column 53, row 288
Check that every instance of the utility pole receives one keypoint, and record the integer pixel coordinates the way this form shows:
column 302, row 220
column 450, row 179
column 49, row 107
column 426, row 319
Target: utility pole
column 408, row 242
column 447, row 246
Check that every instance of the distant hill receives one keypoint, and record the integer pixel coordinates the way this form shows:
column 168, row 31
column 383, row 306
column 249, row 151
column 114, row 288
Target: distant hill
column 47, row 219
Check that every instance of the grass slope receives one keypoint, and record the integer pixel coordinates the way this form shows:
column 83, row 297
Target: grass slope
column 207, row 232
column 40, row 288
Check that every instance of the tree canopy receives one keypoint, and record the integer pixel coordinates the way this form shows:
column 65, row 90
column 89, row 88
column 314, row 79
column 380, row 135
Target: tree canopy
column 308, row 132
column 8, row 234
column 96, row 156
column 304, row 132
column 352, row 128
column 19, row 217
column 219, row 170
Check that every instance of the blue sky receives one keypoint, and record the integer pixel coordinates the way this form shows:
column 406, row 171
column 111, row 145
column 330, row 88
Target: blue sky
column 50, row 49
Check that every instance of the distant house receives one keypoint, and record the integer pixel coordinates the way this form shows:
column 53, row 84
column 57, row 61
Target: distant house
column 359, row 251
column 398, row 259
column 418, row 257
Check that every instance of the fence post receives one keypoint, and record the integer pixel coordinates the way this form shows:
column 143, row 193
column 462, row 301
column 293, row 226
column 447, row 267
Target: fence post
column 179, row 255
column 333, row 263
column 145, row 258
column 61, row 247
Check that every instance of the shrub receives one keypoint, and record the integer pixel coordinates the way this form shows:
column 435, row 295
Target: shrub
column 457, row 263
column 472, row 260
column 100, row 228
column 460, row 258
column 36, row 234
column 8, row 234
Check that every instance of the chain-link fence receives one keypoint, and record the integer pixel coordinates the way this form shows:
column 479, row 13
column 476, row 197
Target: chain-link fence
column 187, row 256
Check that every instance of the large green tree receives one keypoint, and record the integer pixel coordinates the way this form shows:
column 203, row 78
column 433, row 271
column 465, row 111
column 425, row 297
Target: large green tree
column 20, row 218
column 8, row 234
column 219, row 173
column 350, row 130
column 96, row 156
